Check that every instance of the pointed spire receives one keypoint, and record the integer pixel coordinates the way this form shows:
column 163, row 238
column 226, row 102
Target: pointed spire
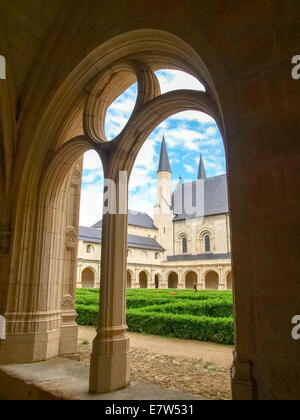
column 201, row 172
column 164, row 164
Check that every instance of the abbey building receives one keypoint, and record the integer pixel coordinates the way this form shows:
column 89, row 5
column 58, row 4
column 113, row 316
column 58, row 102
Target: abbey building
column 187, row 242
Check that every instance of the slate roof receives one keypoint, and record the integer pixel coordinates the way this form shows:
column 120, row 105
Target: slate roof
column 95, row 236
column 135, row 219
column 201, row 171
column 215, row 197
column 164, row 163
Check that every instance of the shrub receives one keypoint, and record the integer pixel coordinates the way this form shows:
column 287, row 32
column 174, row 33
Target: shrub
column 87, row 315
column 205, row 316
column 212, row 308
column 217, row 330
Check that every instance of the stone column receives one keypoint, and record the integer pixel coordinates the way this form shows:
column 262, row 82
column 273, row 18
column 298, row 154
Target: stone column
column 164, row 281
column 79, row 272
column 180, row 284
column 201, row 282
column 110, row 366
column 222, row 285
column 136, row 284
column 152, row 282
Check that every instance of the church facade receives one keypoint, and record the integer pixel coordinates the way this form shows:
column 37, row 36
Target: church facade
column 188, row 241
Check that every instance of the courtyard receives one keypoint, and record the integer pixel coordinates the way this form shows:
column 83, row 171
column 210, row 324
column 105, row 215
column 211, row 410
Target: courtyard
column 191, row 367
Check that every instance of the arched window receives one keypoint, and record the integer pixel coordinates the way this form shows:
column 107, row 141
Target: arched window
column 157, row 256
column 207, row 243
column 184, row 245
column 88, row 249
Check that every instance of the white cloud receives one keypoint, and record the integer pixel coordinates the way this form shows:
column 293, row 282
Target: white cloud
column 91, row 207
column 92, row 160
column 190, row 169
column 174, row 80
column 91, row 177
column 193, row 116
column 182, row 137
column 212, row 131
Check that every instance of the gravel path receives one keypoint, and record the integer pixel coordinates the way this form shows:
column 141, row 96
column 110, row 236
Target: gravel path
column 201, row 369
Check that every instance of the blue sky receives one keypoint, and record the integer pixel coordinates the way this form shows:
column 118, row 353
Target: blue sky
column 187, row 134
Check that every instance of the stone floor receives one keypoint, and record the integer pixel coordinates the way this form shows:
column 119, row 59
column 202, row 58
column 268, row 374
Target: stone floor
column 63, row 379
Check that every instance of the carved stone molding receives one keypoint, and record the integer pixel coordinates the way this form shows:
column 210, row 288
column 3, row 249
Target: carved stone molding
column 5, row 236
column 68, row 303
column 76, row 175
column 71, row 238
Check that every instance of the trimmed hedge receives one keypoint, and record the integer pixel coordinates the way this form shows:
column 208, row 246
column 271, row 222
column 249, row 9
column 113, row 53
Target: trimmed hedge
column 216, row 330
column 204, row 316
column 87, row 315
column 211, row 308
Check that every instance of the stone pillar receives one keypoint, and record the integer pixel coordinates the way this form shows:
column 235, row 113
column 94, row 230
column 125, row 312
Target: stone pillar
column 222, row 285
column 201, row 281
column 152, row 281
column 136, row 284
column 164, row 281
column 180, row 283
column 110, row 366
column 79, row 272
column 242, row 382
column 99, row 276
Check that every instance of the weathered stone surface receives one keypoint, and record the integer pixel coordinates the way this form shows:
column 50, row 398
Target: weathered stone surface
column 62, row 379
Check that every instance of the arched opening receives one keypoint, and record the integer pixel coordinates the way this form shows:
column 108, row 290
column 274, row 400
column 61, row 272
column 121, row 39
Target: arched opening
column 207, row 243
column 88, row 279
column 143, row 280
column 229, row 281
column 173, row 280
column 157, row 281
column 212, row 281
column 117, row 238
column 184, row 245
column 190, row 279
column 129, row 280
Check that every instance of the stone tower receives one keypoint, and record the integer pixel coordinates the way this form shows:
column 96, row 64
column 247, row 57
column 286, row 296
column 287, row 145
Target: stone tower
column 163, row 213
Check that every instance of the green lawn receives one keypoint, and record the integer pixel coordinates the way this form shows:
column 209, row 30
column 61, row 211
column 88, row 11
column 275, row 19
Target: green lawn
column 206, row 315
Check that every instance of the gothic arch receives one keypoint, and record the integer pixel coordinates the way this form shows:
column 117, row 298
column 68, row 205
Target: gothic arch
column 45, row 141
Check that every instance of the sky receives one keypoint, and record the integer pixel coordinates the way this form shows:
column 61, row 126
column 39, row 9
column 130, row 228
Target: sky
column 187, row 134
